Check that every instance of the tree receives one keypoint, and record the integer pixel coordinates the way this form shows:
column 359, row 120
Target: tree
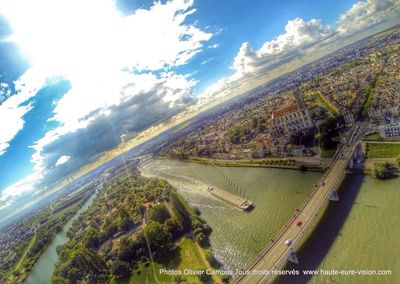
column 91, row 238
column 156, row 235
column 203, row 276
column 120, row 269
column 159, row 213
column 123, row 220
column 383, row 170
column 202, row 239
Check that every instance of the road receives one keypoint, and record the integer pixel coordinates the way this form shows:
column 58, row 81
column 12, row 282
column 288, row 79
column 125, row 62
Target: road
column 276, row 253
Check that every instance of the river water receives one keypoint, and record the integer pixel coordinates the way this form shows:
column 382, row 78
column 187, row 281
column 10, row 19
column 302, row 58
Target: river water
column 44, row 266
column 360, row 232
column 238, row 236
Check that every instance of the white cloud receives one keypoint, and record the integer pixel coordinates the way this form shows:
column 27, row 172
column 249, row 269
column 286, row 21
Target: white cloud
column 299, row 35
column 206, row 61
column 69, row 37
column 94, row 49
column 62, row 160
column 364, row 14
column 13, row 108
column 302, row 42
column 216, row 45
column 13, row 192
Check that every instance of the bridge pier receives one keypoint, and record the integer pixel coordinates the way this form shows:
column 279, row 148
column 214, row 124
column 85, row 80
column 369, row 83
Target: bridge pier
column 333, row 196
column 292, row 257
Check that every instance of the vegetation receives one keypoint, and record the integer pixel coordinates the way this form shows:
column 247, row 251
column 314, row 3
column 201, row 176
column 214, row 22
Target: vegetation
column 183, row 126
column 47, row 223
column 305, row 138
column 329, row 132
column 187, row 255
column 368, row 97
column 133, row 222
column 382, row 150
column 383, row 170
column 326, row 104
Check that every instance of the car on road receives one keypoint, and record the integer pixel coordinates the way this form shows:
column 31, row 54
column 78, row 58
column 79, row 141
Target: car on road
column 288, row 242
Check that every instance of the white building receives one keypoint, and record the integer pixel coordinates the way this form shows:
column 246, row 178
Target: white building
column 389, row 130
column 348, row 118
column 290, row 118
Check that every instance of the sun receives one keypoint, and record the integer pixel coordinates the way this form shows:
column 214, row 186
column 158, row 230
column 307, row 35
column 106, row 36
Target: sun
column 66, row 37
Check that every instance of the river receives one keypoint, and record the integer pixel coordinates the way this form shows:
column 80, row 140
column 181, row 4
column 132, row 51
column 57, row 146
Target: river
column 44, row 266
column 238, row 236
column 359, row 232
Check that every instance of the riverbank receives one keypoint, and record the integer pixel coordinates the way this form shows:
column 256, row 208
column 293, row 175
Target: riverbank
column 43, row 266
column 293, row 163
column 47, row 225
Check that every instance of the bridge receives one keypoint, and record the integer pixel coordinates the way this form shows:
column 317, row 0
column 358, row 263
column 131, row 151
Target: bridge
column 277, row 252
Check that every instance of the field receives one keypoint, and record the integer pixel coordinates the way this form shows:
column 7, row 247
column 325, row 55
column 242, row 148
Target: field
column 181, row 127
column 188, row 256
column 383, row 150
column 376, row 137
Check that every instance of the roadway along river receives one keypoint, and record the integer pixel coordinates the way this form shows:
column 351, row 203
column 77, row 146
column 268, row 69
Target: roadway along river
column 359, row 232
column 44, row 266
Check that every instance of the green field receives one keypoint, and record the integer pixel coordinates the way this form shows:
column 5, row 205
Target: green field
column 187, row 257
column 384, row 150
column 181, row 127
column 376, row 137
column 326, row 104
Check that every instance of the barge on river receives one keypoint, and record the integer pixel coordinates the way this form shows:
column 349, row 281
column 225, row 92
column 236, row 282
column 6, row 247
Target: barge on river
column 237, row 201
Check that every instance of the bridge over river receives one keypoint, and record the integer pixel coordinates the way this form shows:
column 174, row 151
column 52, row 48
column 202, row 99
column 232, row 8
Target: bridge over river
column 277, row 252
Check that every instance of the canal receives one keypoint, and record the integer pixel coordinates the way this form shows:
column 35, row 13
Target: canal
column 44, row 266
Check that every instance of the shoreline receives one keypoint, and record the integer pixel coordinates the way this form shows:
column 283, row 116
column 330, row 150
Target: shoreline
column 365, row 169
column 255, row 163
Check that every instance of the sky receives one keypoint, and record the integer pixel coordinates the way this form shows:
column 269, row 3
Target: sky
column 76, row 75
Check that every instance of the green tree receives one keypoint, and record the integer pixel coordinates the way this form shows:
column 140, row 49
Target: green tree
column 156, row 235
column 383, row 170
column 120, row 269
column 159, row 213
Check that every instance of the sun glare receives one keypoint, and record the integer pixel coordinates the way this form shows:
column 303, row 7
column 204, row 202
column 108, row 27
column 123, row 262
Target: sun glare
column 66, row 37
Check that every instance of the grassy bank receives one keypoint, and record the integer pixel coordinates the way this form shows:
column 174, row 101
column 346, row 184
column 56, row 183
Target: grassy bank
column 187, row 256
column 257, row 163
column 384, row 150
